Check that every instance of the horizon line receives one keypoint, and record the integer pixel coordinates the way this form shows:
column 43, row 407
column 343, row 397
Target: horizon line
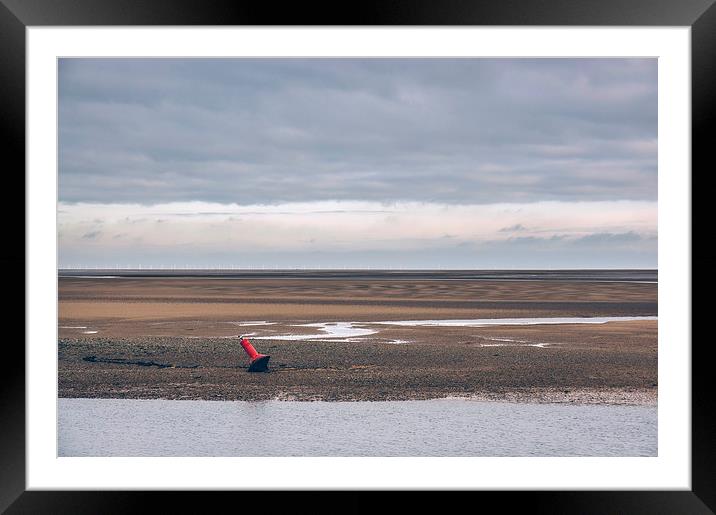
column 308, row 268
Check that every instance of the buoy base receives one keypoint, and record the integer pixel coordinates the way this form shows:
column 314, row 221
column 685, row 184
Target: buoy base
column 260, row 364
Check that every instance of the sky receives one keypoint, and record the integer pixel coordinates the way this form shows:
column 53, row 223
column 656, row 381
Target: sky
column 380, row 163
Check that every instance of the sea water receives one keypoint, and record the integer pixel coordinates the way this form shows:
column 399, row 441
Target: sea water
column 441, row 427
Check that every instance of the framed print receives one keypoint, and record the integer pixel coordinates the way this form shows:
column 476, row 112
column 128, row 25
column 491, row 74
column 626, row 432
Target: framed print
column 425, row 252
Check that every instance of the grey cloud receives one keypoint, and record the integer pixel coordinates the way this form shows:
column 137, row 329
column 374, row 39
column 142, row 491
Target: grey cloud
column 278, row 130
column 603, row 239
column 92, row 235
column 610, row 238
column 513, row 228
column 520, row 240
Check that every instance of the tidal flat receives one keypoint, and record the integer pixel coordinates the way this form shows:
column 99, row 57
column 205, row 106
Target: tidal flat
column 360, row 338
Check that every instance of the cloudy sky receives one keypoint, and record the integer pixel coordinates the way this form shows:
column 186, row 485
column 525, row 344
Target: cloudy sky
column 416, row 163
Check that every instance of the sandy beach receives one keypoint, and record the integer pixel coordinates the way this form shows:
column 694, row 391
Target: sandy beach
column 177, row 338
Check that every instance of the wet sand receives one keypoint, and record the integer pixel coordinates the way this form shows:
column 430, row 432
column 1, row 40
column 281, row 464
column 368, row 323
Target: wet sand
column 176, row 338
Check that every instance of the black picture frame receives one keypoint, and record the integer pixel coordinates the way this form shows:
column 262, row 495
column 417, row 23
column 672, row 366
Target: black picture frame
column 16, row 15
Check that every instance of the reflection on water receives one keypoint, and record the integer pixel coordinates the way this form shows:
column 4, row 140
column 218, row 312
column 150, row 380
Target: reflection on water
column 443, row 427
column 482, row 322
column 354, row 331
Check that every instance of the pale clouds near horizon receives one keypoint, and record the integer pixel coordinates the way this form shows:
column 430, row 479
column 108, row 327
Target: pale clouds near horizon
column 335, row 233
column 382, row 162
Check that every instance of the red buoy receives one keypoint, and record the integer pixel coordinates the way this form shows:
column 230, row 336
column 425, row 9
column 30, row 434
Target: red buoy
column 259, row 362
